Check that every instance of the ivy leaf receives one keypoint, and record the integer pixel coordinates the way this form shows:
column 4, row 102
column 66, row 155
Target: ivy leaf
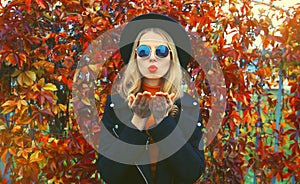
column 26, row 78
column 35, row 157
column 50, row 87
column 8, row 106
column 41, row 4
column 3, row 156
column 28, row 5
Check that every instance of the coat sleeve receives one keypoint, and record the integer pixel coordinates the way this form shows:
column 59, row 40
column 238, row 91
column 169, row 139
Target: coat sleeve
column 187, row 163
column 112, row 171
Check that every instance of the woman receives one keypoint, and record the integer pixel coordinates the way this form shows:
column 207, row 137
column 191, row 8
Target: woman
column 151, row 104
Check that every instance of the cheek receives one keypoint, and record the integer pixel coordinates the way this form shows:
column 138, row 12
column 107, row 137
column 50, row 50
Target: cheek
column 141, row 67
column 165, row 66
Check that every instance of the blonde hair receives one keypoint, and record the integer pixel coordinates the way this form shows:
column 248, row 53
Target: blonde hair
column 132, row 79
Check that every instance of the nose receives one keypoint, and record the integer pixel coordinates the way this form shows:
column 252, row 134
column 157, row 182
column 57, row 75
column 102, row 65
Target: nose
column 152, row 56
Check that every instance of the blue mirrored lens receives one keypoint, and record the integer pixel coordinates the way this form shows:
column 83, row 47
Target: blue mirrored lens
column 143, row 51
column 162, row 51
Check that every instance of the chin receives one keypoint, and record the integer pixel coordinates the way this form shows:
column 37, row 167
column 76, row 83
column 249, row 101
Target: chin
column 152, row 76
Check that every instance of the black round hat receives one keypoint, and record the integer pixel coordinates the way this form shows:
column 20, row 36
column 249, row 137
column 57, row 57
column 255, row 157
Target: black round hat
column 154, row 20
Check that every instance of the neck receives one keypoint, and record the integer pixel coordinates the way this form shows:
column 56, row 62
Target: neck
column 152, row 82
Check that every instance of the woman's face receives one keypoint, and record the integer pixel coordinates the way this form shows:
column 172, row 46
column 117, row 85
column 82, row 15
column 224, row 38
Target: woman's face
column 157, row 64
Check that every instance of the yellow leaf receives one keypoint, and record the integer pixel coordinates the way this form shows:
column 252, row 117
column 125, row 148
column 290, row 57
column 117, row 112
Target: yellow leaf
column 23, row 111
column 16, row 129
column 43, row 126
column 97, row 97
column 20, row 78
column 9, row 103
column 16, row 73
column 19, row 105
column 23, row 102
column 55, row 110
column 27, row 80
column 41, row 81
column 8, row 109
column 263, row 118
column 34, row 157
column 24, row 121
column 51, row 139
column 31, row 75
column 2, row 127
column 50, row 87
column 43, row 161
column 62, row 107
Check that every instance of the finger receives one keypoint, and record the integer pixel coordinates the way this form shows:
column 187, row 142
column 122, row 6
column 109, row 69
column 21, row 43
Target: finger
column 131, row 100
column 143, row 101
column 172, row 96
column 146, row 104
column 137, row 99
column 166, row 96
column 146, row 93
column 159, row 93
column 145, row 98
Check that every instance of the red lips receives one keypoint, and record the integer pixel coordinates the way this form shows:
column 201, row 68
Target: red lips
column 152, row 68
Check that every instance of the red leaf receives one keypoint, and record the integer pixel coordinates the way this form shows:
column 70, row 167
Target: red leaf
column 42, row 4
column 70, row 83
column 47, row 111
column 64, row 79
column 293, row 87
column 28, row 4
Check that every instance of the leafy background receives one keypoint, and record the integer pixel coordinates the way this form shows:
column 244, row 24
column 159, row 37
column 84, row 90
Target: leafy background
column 42, row 42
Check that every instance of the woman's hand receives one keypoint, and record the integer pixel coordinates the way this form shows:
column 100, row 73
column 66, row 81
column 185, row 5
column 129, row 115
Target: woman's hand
column 160, row 104
column 140, row 104
column 140, row 107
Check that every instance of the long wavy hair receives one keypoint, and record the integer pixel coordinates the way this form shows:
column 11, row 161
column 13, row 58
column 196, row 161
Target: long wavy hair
column 172, row 81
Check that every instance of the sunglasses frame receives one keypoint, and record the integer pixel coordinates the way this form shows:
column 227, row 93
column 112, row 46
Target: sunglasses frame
column 169, row 51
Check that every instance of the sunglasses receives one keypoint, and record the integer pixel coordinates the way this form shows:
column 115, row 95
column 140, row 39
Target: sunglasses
column 144, row 51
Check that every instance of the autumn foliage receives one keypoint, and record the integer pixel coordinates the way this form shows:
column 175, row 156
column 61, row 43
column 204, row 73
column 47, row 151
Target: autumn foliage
column 42, row 42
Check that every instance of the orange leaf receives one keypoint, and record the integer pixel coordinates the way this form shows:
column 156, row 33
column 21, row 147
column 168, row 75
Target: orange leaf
column 8, row 109
column 25, row 120
column 9, row 103
column 62, row 107
column 3, row 156
column 43, row 126
column 41, row 3
column 12, row 150
column 16, row 129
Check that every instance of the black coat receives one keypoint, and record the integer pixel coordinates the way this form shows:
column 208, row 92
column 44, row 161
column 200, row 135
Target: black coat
column 184, row 166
